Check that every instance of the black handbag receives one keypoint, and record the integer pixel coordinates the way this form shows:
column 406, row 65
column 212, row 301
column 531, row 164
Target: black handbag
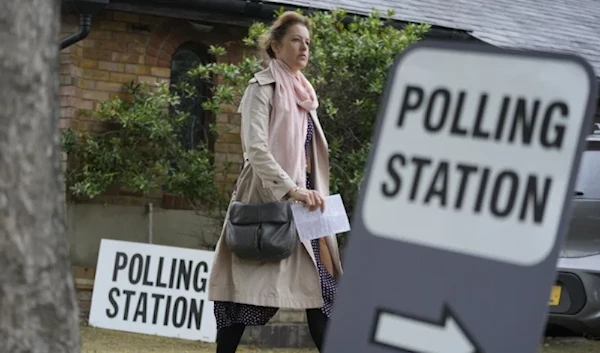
column 262, row 231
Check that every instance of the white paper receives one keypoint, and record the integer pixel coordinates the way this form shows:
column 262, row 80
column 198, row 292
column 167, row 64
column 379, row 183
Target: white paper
column 318, row 224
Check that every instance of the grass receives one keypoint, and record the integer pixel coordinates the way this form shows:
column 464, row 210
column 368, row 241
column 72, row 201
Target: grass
column 569, row 345
column 96, row 340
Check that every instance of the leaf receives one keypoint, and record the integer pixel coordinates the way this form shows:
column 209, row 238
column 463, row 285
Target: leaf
column 349, row 62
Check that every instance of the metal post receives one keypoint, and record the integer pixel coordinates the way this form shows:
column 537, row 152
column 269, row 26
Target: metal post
column 150, row 214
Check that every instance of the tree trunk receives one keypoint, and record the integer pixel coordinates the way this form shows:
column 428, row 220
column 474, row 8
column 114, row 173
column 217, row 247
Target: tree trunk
column 38, row 310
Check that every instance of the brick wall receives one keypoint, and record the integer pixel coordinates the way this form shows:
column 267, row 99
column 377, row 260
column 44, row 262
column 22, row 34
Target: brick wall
column 124, row 47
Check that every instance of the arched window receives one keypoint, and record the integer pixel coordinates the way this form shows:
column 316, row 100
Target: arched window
column 195, row 130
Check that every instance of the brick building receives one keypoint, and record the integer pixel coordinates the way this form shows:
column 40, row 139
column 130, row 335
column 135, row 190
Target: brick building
column 125, row 47
column 134, row 41
column 158, row 40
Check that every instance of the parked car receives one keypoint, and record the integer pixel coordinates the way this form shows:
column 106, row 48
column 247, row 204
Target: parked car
column 575, row 298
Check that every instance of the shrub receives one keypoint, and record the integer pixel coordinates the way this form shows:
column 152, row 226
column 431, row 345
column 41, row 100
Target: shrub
column 350, row 58
column 349, row 62
column 140, row 149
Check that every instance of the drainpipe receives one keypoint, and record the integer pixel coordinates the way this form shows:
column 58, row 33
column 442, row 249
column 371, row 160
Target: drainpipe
column 265, row 10
column 86, row 9
column 85, row 24
column 246, row 8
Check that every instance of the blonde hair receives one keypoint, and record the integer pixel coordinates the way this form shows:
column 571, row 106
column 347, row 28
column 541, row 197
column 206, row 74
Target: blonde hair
column 279, row 28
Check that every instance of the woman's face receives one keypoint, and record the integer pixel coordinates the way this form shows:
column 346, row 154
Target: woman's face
column 293, row 47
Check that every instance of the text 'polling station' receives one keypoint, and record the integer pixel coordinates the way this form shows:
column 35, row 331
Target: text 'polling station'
column 502, row 192
column 162, row 284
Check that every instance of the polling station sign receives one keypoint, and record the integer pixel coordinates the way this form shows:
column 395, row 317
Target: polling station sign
column 153, row 289
column 488, row 157
column 466, row 201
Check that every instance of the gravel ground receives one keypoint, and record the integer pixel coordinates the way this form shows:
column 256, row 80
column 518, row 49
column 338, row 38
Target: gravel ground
column 106, row 341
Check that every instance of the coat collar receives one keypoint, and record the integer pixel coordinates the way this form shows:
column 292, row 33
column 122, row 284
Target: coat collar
column 264, row 77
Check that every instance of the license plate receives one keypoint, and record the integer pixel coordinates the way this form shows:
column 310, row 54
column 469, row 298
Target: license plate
column 555, row 295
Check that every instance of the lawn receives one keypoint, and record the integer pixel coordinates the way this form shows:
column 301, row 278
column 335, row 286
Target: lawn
column 96, row 340
column 570, row 345
column 105, row 341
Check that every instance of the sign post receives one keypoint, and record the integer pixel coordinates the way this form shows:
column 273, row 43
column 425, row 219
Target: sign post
column 466, row 201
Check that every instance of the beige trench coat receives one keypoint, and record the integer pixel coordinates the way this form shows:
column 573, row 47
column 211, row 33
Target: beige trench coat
column 293, row 282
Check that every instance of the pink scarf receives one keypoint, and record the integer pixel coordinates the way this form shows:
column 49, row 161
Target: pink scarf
column 293, row 98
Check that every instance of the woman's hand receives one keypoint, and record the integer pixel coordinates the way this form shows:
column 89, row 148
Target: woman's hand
column 310, row 198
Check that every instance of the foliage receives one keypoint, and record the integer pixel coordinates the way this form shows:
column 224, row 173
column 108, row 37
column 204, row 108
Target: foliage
column 350, row 58
column 141, row 150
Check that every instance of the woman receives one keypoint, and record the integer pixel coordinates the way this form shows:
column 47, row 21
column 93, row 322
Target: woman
column 285, row 157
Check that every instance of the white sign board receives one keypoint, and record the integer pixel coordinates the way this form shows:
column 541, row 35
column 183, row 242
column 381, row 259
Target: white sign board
column 153, row 289
column 466, row 200
column 478, row 154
